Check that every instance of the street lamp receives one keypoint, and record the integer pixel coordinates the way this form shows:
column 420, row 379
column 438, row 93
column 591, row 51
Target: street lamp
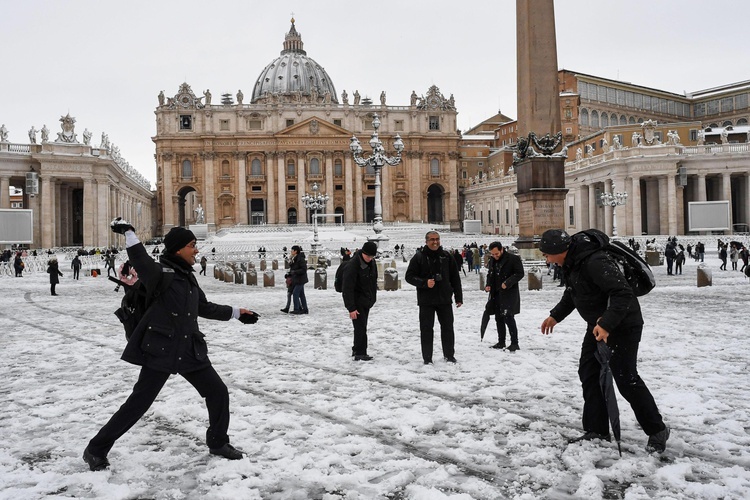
column 614, row 200
column 377, row 160
column 315, row 202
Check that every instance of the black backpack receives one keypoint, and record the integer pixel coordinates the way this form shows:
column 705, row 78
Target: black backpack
column 338, row 280
column 637, row 273
column 138, row 299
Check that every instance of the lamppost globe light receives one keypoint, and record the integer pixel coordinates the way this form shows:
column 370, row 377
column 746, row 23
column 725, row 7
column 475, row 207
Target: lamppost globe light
column 398, row 144
column 376, row 123
column 354, row 145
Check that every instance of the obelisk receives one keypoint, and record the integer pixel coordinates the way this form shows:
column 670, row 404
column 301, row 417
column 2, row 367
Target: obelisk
column 540, row 174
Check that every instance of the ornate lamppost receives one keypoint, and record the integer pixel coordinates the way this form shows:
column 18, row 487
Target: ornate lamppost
column 315, row 201
column 614, row 200
column 377, row 160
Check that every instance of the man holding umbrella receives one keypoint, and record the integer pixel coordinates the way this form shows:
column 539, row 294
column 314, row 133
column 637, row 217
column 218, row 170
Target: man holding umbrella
column 598, row 289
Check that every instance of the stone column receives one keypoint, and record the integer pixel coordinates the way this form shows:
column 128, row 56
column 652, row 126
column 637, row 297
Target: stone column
column 592, row 206
column 88, row 212
column 726, row 192
column 679, row 208
column 102, row 224
column 608, row 209
column 348, row 186
column 634, row 200
column 241, row 209
column 701, row 187
column 167, row 188
column 271, row 195
column 281, row 191
column 415, row 191
column 61, row 214
column 5, row 192
column 47, row 215
column 746, row 201
column 209, row 196
column 329, row 181
column 453, row 209
column 360, row 213
column 301, row 187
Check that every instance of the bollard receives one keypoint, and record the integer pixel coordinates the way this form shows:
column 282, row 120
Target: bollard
column 704, row 276
column 238, row 277
column 228, row 276
column 269, row 279
column 262, row 264
column 286, row 263
column 390, row 279
column 251, row 278
column 217, row 271
column 275, row 264
column 535, row 279
column 321, row 279
column 653, row 258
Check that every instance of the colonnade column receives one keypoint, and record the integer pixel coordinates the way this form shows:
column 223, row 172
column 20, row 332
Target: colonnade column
column 301, row 187
column 702, row 187
column 726, row 190
column 167, row 187
column 453, row 210
column 746, row 203
column 88, row 212
column 415, row 193
column 360, row 213
column 329, row 182
column 209, row 197
column 47, row 215
column 270, row 188
column 102, row 225
column 4, row 192
column 634, row 200
column 281, row 191
column 348, row 186
column 592, row 206
column 241, row 209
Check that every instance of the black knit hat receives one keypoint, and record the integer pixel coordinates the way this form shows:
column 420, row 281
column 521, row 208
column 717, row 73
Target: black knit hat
column 554, row 241
column 370, row 248
column 177, row 238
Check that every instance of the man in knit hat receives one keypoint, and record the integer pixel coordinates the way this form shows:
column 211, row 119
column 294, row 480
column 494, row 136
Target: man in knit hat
column 597, row 288
column 167, row 341
column 359, row 288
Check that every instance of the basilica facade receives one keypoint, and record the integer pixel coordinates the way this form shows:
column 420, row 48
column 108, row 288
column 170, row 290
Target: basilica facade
column 249, row 163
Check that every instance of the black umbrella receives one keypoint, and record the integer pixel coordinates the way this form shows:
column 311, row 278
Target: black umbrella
column 603, row 354
column 489, row 310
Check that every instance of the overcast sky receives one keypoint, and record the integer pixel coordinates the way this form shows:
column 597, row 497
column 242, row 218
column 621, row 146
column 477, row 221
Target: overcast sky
column 106, row 61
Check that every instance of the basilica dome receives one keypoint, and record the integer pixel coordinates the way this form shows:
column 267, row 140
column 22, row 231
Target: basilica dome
column 294, row 77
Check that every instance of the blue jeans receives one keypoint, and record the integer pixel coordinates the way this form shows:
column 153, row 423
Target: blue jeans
column 300, row 301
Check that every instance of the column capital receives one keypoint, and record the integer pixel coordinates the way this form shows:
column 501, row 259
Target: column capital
column 167, row 156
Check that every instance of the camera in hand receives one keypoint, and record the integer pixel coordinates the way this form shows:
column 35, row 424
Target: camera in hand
column 438, row 277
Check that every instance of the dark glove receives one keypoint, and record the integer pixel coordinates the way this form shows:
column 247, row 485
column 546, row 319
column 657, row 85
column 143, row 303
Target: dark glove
column 119, row 226
column 249, row 318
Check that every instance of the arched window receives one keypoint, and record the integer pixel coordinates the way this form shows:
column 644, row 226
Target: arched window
column 727, row 123
column 623, row 120
column 742, row 121
column 594, row 119
column 584, row 117
column 314, row 166
column 225, row 168
column 187, row 168
column 631, row 121
column 613, row 119
column 605, row 120
column 255, row 168
column 291, row 169
column 435, row 167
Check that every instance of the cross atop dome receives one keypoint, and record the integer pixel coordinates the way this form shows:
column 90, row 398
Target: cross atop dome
column 293, row 41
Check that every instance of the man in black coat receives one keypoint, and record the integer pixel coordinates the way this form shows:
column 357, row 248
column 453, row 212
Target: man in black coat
column 167, row 341
column 597, row 288
column 359, row 289
column 504, row 273
column 670, row 252
column 433, row 271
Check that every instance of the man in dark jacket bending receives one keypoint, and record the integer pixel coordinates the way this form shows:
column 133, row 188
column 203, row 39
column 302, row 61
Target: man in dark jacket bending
column 505, row 270
column 435, row 274
column 359, row 288
column 604, row 299
column 167, row 341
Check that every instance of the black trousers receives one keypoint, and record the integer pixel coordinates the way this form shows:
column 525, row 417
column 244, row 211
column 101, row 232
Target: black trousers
column 206, row 381
column 76, row 271
column 360, row 332
column 444, row 314
column 670, row 261
column 629, row 384
column 506, row 319
column 52, row 288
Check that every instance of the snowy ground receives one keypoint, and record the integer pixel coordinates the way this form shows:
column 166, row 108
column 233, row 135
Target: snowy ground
column 317, row 425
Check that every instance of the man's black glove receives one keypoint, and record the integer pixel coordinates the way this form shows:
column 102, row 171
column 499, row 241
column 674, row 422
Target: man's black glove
column 249, row 318
column 119, row 226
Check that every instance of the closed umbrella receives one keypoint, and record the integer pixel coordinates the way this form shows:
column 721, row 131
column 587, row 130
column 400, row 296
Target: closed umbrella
column 489, row 310
column 603, row 354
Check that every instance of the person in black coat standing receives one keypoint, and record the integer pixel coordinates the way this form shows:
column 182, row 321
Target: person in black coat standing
column 597, row 288
column 167, row 341
column 433, row 271
column 298, row 271
column 75, row 265
column 504, row 273
column 54, row 274
column 359, row 289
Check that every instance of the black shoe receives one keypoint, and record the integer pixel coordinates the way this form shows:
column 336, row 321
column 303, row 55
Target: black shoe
column 428, row 362
column 362, row 357
column 590, row 436
column 227, row 451
column 499, row 345
column 657, row 443
column 95, row 463
column 285, row 310
column 513, row 347
column 296, row 312
column 306, row 311
column 451, row 359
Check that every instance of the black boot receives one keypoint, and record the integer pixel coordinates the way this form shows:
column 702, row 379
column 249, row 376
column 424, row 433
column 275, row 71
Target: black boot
column 95, row 463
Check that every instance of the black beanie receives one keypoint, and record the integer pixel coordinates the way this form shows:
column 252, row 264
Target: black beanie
column 554, row 241
column 177, row 238
column 370, row 248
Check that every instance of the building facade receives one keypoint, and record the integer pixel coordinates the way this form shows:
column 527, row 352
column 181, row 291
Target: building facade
column 252, row 162
column 74, row 188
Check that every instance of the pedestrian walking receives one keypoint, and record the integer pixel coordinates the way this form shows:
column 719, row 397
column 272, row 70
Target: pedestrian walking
column 670, row 252
column 298, row 271
column 167, row 341
column 504, row 272
column 204, row 262
column 434, row 273
column 734, row 256
column 359, row 289
column 18, row 265
column 597, row 288
column 75, row 265
column 723, row 257
column 459, row 260
column 54, row 274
